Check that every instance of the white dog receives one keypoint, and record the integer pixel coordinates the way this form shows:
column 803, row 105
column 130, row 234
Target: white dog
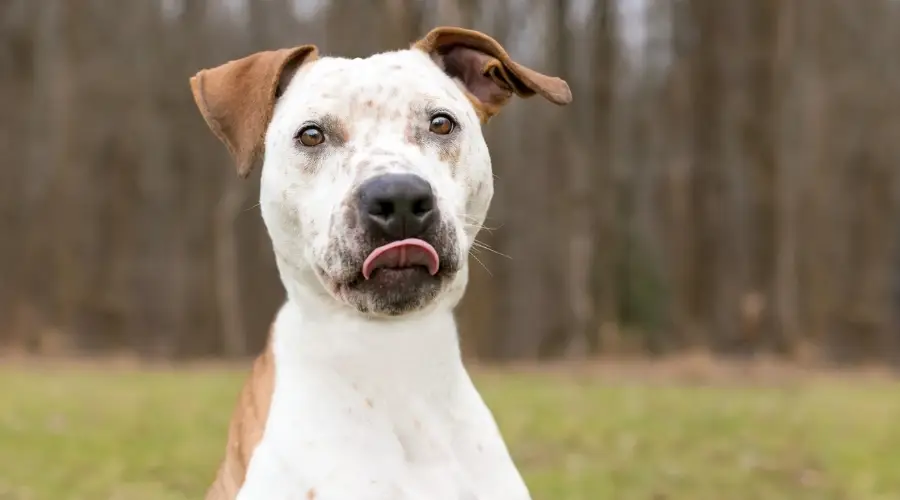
column 375, row 181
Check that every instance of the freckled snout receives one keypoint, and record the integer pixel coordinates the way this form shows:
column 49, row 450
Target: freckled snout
column 397, row 206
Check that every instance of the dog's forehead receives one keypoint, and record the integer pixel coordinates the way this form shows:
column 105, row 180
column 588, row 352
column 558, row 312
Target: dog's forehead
column 399, row 80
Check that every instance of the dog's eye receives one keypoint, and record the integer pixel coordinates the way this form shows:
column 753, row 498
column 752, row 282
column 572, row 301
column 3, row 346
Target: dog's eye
column 441, row 124
column 311, row 136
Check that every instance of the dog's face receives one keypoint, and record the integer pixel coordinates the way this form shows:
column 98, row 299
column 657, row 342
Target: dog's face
column 365, row 153
column 375, row 175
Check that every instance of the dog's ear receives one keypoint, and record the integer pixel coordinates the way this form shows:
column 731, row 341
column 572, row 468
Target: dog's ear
column 488, row 73
column 237, row 99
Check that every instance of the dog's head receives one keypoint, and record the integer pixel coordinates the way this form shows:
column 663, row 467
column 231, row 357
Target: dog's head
column 375, row 174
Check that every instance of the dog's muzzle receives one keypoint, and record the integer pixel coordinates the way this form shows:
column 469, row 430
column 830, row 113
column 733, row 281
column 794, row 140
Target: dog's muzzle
column 406, row 250
column 400, row 210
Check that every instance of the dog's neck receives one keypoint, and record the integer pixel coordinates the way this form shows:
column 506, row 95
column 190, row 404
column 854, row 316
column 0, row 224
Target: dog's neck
column 312, row 327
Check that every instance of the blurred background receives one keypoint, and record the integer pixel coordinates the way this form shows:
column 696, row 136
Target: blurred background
column 726, row 179
column 725, row 183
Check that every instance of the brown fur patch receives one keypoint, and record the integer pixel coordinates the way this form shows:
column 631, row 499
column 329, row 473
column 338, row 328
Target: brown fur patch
column 489, row 74
column 338, row 129
column 497, row 64
column 449, row 154
column 410, row 133
column 248, row 423
column 237, row 100
column 484, row 111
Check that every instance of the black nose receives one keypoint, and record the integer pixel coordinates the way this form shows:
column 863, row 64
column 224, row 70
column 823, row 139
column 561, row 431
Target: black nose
column 398, row 206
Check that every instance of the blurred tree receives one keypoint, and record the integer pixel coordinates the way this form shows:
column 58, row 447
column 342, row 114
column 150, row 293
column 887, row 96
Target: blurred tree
column 725, row 179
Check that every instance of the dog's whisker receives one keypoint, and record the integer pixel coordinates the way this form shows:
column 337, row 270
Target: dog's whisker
column 484, row 246
column 474, row 224
column 482, row 264
column 479, row 227
column 251, row 208
column 472, row 218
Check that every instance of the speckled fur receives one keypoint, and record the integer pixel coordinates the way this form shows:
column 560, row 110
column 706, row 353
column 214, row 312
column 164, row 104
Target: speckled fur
column 362, row 393
column 340, row 369
column 376, row 113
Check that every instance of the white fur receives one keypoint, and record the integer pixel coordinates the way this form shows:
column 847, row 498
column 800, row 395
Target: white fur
column 376, row 411
column 367, row 407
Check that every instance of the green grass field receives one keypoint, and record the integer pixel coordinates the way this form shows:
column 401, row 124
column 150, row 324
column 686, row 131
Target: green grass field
column 136, row 435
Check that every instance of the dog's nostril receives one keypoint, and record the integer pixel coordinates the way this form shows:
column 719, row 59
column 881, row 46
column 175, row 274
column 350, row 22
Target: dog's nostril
column 422, row 206
column 382, row 208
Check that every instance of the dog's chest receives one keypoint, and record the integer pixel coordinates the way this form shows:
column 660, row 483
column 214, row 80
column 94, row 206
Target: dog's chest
column 361, row 443
column 412, row 429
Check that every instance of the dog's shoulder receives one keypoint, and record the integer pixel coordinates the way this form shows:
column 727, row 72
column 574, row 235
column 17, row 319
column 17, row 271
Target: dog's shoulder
column 248, row 421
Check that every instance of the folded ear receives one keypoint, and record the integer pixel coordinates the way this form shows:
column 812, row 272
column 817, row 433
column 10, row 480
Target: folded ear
column 482, row 65
column 237, row 99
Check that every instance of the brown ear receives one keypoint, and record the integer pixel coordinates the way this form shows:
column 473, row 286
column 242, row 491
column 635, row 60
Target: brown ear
column 487, row 71
column 237, row 98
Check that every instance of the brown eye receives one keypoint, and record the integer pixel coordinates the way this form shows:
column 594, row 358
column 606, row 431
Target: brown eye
column 441, row 125
column 311, row 136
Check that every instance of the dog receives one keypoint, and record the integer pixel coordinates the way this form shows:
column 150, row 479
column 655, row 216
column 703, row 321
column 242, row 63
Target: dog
column 375, row 180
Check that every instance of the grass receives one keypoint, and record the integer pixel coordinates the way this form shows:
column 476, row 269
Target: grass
column 71, row 434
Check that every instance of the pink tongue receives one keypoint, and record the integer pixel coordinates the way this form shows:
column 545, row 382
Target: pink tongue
column 403, row 253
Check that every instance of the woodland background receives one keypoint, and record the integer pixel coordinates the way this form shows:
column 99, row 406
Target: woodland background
column 725, row 181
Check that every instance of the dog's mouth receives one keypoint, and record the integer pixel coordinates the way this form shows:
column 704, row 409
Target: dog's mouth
column 395, row 277
column 405, row 255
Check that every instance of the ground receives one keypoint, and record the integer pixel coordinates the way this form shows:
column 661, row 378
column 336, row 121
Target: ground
column 622, row 431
